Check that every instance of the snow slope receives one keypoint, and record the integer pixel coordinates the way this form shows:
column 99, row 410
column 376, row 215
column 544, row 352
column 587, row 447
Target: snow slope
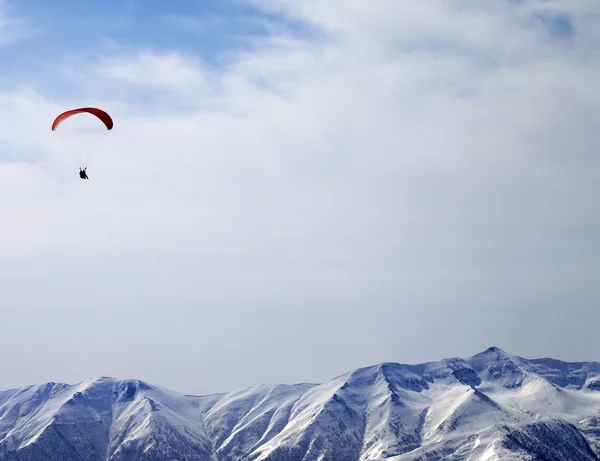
column 100, row 419
column 492, row 406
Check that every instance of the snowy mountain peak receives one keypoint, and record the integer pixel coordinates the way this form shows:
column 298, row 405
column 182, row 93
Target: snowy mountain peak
column 494, row 350
column 491, row 354
column 487, row 407
column 494, row 364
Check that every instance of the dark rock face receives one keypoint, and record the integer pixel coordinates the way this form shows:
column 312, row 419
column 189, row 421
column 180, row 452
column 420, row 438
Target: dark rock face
column 551, row 441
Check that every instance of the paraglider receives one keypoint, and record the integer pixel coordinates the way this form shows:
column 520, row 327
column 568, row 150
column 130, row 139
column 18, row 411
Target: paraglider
column 103, row 116
column 99, row 113
column 83, row 173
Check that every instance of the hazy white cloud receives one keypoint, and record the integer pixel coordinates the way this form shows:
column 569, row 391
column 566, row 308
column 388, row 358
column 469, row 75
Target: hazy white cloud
column 436, row 154
column 171, row 71
column 14, row 27
column 317, row 150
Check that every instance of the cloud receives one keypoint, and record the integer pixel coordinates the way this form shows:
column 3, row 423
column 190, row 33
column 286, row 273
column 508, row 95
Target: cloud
column 422, row 130
column 171, row 71
column 434, row 154
column 14, row 28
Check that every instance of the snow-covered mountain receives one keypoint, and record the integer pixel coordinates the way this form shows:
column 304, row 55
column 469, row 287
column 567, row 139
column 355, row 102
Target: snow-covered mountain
column 492, row 406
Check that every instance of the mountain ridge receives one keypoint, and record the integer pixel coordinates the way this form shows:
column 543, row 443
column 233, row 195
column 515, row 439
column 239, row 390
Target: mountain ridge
column 490, row 406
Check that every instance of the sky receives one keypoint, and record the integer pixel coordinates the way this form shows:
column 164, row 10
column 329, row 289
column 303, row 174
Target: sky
column 295, row 188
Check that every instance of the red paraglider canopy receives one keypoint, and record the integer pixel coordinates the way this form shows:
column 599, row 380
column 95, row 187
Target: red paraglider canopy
column 103, row 116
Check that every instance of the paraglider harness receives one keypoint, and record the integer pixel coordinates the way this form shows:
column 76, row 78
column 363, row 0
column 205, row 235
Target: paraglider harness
column 82, row 172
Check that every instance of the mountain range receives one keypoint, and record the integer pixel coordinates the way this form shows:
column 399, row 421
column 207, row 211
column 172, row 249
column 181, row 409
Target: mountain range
column 491, row 406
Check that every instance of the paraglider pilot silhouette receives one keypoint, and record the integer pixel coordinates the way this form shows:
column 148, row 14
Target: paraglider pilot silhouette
column 83, row 173
column 103, row 116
